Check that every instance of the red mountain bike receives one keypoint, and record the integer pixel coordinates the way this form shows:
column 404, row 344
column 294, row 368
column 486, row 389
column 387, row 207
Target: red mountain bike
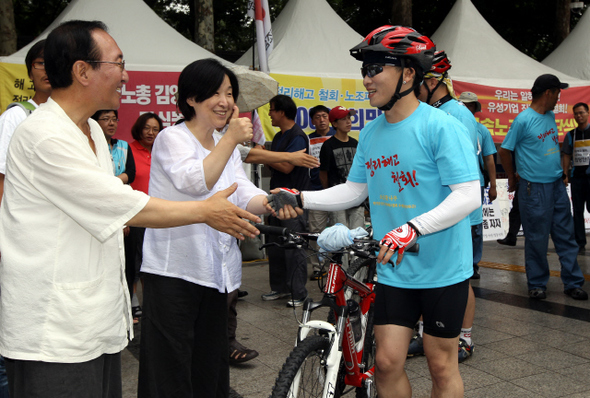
column 333, row 357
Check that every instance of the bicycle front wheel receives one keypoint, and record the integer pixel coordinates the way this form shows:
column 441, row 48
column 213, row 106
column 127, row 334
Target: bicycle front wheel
column 304, row 375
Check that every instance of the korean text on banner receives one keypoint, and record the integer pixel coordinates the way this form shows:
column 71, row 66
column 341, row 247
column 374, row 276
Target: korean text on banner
column 16, row 86
column 309, row 91
column 499, row 106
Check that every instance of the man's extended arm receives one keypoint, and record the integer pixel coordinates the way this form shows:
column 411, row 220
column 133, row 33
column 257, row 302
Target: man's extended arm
column 216, row 211
column 299, row 158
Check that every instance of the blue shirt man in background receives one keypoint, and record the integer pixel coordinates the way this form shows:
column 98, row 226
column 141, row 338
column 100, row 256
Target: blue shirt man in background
column 543, row 200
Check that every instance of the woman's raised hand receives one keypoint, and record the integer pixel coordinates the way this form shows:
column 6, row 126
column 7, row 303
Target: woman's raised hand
column 240, row 128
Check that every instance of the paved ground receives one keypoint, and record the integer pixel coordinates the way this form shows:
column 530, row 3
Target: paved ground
column 524, row 348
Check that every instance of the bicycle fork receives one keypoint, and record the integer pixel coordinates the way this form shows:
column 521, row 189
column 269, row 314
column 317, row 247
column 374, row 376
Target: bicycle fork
column 330, row 359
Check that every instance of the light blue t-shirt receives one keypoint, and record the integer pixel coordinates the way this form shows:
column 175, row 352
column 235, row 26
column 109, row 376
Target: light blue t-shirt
column 464, row 115
column 533, row 138
column 119, row 154
column 408, row 167
column 487, row 147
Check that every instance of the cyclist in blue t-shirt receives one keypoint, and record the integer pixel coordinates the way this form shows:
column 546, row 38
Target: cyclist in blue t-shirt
column 417, row 166
column 437, row 91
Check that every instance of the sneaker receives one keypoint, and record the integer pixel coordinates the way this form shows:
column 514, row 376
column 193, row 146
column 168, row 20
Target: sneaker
column 137, row 312
column 465, row 350
column 274, row 295
column 296, row 303
column 317, row 275
column 416, row 346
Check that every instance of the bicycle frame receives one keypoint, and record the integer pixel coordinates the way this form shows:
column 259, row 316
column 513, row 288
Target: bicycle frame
column 342, row 334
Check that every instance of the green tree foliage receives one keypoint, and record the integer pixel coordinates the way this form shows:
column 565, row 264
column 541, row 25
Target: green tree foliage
column 33, row 16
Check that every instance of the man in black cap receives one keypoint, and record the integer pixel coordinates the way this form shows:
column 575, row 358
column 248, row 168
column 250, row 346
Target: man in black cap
column 544, row 204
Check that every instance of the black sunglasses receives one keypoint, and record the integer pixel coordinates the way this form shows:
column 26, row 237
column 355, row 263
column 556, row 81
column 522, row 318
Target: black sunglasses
column 372, row 70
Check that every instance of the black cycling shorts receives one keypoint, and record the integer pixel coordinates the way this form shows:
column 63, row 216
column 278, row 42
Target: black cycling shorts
column 442, row 308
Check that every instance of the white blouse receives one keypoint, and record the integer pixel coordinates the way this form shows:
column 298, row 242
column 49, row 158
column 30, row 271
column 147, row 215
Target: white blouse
column 196, row 253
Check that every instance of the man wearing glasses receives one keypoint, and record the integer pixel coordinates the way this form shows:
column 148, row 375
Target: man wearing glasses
column 576, row 147
column 17, row 112
column 287, row 269
column 65, row 311
column 418, row 168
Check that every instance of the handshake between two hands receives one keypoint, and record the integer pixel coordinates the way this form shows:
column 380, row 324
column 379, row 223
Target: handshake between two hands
column 285, row 202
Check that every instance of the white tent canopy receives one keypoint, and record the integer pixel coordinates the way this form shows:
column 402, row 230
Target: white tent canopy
column 148, row 43
column 310, row 39
column 572, row 56
column 480, row 55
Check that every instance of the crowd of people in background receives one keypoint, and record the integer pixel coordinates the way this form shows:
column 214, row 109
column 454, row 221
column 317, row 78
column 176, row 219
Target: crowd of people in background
column 85, row 217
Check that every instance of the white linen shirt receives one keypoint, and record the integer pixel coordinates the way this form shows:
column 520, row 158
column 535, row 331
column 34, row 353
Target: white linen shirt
column 64, row 295
column 195, row 253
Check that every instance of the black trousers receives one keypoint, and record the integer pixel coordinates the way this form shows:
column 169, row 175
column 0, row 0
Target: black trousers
column 98, row 378
column 287, row 268
column 184, row 347
column 580, row 190
column 514, row 218
column 133, row 255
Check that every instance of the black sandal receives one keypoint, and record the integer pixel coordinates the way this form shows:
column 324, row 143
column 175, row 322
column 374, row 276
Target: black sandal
column 240, row 354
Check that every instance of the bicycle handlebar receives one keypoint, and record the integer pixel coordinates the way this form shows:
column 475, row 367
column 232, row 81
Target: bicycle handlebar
column 287, row 233
column 269, row 229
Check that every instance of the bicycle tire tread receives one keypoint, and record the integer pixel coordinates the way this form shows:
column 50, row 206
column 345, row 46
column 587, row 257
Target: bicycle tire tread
column 294, row 361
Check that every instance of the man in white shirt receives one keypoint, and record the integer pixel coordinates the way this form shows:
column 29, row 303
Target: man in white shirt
column 65, row 312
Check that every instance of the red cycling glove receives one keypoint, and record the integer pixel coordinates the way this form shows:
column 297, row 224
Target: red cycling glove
column 400, row 238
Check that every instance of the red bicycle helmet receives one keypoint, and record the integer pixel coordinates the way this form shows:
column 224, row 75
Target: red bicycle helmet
column 440, row 63
column 400, row 41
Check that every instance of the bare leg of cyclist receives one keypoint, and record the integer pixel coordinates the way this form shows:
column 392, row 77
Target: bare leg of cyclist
column 469, row 310
column 392, row 347
column 441, row 355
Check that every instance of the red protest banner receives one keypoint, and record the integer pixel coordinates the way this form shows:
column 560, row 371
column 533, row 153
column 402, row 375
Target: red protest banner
column 499, row 106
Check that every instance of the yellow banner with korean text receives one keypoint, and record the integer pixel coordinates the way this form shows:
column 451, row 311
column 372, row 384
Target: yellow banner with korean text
column 15, row 84
column 499, row 106
column 308, row 92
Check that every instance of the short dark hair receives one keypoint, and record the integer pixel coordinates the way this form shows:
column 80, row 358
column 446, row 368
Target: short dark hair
column 99, row 113
column 539, row 94
column 318, row 108
column 285, row 104
column 137, row 129
column 36, row 51
column 200, row 80
column 70, row 42
column 585, row 105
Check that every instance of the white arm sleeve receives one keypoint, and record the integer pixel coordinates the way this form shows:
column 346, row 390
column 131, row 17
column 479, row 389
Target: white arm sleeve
column 463, row 199
column 340, row 197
